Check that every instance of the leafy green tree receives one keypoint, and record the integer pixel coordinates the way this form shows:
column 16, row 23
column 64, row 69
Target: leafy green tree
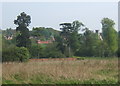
column 60, row 43
column 42, row 33
column 90, row 44
column 70, row 36
column 110, row 36
column 37, row 51
column 23, row 20
column 76, row 26
column 74, row 36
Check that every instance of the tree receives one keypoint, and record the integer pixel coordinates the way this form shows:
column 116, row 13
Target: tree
column 9, row 32
column 37, row 51
column 90, row 44
column 109, row 36
column 70, row 36
column 77, row 26
column 66, row 30
column 42, row 33
column 53, row 51
column 74, row 37
column 23, row 20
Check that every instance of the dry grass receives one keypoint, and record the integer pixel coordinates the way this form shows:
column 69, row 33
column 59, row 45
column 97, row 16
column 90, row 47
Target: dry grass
column 81, row 70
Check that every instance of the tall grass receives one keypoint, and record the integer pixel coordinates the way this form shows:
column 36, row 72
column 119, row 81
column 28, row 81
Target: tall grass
column 61, row 72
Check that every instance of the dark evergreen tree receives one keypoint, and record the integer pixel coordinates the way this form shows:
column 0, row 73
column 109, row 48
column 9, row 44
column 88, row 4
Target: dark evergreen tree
column 23, row 21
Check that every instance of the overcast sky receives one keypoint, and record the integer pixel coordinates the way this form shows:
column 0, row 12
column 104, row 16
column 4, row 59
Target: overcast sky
column 51, row 14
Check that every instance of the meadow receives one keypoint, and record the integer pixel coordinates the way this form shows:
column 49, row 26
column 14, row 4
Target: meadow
column 83, row 71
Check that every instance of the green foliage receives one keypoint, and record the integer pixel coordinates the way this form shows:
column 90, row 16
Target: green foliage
column 13, row 53
column 8, row 32
column 23, row 20
column 45, row 51
column 8, row 54
column 86, row 82
column 70, row 37
column 8, row 82
column 74, row 42
column 68, row 42
column 37, row 51
column 22, row 53
column 89, row 44
column 53, row 51
column 43, row 33
column 22, row 39
column 110, row 36
column 45, row 79
column 76, row 26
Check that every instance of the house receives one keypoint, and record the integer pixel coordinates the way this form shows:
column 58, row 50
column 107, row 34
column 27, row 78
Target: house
column 9, row 37
column 44, row 42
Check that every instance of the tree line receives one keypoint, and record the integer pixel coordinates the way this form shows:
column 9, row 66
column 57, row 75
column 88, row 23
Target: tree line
column 67, row 42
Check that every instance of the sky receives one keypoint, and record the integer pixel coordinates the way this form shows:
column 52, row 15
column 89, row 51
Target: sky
column 51, row 14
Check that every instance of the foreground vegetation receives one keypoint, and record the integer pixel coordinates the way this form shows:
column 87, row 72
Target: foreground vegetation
column 86, row 71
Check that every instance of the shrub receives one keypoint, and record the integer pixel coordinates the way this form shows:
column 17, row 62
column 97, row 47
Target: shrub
column 8, row 54
column 54, row 54
column 15, row 54
column 22, row 53
column 37, row 51
column 53, row 51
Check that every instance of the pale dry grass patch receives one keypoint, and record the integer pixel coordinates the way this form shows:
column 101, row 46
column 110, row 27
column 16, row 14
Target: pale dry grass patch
column 76, row 70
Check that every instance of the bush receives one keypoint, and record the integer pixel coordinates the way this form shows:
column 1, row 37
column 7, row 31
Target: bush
column 37, row 51
column 54, row 54
column 8, row 54
column 15, row 54
column 22, row 53
column 46, row 51
column 53, row 51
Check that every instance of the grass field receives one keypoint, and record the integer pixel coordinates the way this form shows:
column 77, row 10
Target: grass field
column 87, row 71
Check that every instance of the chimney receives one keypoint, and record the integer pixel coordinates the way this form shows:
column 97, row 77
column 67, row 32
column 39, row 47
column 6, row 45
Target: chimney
column 96, row 31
